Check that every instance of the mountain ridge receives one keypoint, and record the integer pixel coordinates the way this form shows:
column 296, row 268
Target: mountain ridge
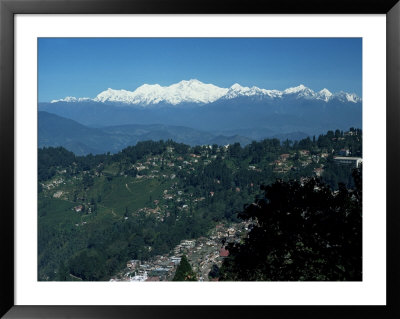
column 197, row 92
column 56, row 131
column 234, row 113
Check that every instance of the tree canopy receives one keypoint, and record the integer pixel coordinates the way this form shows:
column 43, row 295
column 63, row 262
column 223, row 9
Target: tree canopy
column 184, row 272
column 300, row 232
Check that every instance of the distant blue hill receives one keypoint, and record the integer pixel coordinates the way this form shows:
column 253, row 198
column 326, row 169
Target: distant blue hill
column 260, row 117
column 54, row 130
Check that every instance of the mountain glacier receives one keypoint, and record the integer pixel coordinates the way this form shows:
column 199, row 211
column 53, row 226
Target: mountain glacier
column 195, row 91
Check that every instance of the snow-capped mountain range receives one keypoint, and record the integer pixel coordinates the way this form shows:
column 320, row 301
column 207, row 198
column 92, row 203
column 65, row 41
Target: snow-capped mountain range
column 195, row 91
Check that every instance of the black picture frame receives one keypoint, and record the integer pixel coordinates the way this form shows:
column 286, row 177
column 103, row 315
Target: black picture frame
column 8, row 8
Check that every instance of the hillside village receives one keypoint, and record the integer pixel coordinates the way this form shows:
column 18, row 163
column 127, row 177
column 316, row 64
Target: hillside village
column 202, row 253
column 182, row 183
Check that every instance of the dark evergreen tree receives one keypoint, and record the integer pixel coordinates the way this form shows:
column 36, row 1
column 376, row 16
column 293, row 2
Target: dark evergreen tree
column 214, row 272
column 184, row 271
column 300, row 232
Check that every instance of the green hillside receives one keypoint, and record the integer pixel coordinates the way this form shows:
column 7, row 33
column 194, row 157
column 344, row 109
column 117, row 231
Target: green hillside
column 97, row 212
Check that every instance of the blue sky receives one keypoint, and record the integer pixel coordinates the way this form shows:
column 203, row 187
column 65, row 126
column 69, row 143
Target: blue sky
column 84, row 67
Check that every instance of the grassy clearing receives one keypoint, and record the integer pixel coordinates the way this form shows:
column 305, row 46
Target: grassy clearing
column 56, row 211
column 126, row 192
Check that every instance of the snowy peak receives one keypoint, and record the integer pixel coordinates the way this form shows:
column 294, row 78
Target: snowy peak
column 192, row 91
column 72, row 99
column 324, row 95
column 237, row 90
column 325, row 92
column 237, row 87
column 347, row 97
column 296, row 89
column 195, row 91
column 112, row 96
column 301, row 91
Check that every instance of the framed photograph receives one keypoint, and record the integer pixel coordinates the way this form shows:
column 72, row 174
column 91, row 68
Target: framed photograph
column 190, row 159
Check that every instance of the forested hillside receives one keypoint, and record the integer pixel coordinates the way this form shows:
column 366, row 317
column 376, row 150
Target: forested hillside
column 96, row 212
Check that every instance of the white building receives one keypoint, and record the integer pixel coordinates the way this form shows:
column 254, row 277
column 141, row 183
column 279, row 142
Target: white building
column 355, row 161
column 142, row 277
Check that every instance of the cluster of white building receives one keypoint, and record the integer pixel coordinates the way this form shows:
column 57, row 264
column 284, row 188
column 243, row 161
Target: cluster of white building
column 355, row 161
